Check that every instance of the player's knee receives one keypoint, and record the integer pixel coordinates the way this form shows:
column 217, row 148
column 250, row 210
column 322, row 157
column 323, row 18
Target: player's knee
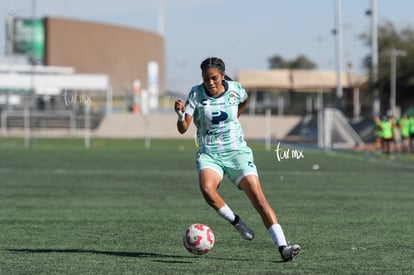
column 208, row 189
column 210, row 195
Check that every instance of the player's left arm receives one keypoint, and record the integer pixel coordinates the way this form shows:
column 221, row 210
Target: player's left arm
column 242, row 106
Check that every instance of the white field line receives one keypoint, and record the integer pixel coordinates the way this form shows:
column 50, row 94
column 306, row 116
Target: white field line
column 392, row 163
column 64, row 171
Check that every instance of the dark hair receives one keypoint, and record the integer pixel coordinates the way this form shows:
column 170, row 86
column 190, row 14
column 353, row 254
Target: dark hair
column 214, row 62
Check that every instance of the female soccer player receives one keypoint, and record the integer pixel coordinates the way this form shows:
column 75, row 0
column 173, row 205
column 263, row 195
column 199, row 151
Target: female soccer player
column 215, row 106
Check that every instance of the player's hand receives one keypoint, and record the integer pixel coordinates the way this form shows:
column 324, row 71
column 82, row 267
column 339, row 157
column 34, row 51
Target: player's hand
column 179, row 109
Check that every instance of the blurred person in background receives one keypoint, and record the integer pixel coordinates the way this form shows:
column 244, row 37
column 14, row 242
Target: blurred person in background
column 404, row 128
column 387, row 128
column 378, row 134
column 411, row 122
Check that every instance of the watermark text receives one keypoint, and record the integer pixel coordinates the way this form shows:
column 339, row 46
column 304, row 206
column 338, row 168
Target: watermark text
column 74, row 98
column 287, row 153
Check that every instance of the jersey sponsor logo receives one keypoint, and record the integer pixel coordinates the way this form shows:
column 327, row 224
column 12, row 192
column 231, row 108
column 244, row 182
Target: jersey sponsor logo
column 219, row 116
column 205, row 102
column 232, row 99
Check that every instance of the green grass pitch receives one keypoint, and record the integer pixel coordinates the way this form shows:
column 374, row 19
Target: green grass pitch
column 118, row 208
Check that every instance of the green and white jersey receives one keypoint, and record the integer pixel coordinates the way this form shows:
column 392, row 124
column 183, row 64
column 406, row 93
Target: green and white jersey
column 218, row 128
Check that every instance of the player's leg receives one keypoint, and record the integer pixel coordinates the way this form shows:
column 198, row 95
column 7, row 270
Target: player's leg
column 384, row 146
column 411, row 142
column 378, row 144
column 252, row 187
column 406, row 144
column 389, row 143
column 209, row 182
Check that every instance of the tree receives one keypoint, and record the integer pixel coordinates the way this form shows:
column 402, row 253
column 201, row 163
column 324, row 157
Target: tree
column 389, row 37
column 301, row 62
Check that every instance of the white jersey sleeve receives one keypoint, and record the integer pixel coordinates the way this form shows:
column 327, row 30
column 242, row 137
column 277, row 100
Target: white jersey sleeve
column 216, row 118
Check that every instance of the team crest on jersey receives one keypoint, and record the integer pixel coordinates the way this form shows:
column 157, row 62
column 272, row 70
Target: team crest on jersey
column 232, row 99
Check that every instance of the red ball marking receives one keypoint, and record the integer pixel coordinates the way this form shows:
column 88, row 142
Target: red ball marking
column 209, row 238
column 199, row 227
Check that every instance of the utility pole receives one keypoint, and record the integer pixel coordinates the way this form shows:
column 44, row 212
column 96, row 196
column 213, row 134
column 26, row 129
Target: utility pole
column 372, row 12
column 393, row 77
column 31, row 94
column 338, row 44
column 160, row 17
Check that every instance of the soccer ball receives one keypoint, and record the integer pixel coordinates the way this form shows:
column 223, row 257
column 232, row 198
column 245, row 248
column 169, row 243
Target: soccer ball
column 198, row 239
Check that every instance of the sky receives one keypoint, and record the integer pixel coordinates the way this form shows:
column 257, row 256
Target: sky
column 244, row 33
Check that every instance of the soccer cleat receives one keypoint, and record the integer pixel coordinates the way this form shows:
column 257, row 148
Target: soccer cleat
column 244, row 231
column 289, row 252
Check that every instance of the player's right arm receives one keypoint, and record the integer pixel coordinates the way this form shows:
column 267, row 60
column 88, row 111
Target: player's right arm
column 184, row 120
